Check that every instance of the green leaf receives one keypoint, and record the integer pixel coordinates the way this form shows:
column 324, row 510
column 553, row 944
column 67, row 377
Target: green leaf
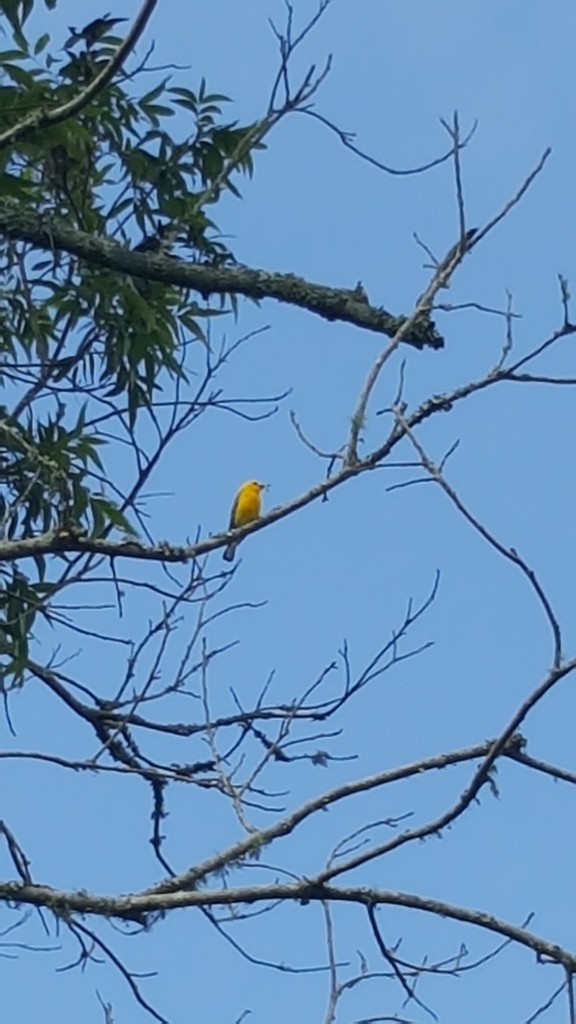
column 149, row 97
column 14, row 186
column 18, row 75
column 41, row 44
column 105, row 513
column 158, row 110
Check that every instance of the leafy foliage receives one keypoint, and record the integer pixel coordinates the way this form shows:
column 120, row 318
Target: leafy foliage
column 74, row 336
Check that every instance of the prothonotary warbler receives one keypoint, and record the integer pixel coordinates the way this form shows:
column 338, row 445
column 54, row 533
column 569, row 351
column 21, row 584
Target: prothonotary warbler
column 246, row 508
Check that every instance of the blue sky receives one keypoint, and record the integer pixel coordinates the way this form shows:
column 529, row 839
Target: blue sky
column 345, row 569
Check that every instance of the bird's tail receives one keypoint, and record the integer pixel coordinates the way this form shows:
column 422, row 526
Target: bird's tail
column 229, row 552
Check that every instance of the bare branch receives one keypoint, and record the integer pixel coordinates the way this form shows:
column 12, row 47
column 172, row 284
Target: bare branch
column 330, row 303
column 507, row 552
column 515, row 199
column 137, row 906
column 347, row 140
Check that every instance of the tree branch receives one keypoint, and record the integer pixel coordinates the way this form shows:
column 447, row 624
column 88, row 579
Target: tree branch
column 341, row 304
column 136, row 907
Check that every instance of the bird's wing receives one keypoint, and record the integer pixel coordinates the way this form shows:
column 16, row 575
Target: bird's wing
column 233, row 513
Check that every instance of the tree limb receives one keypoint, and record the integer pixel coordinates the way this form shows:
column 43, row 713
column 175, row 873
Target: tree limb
column 344, row 304
column 135, row 908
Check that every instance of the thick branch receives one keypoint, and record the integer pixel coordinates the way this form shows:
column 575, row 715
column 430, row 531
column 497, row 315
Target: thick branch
column 53, row 543
column 304, row 891
column 342, row 304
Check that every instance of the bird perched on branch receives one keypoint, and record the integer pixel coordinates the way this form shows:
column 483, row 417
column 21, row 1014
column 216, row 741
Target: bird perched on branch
column 93, row 32
column 246, row 509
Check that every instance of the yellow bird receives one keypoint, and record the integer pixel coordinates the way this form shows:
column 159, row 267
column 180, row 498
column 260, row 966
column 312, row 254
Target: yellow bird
column 246, row 509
